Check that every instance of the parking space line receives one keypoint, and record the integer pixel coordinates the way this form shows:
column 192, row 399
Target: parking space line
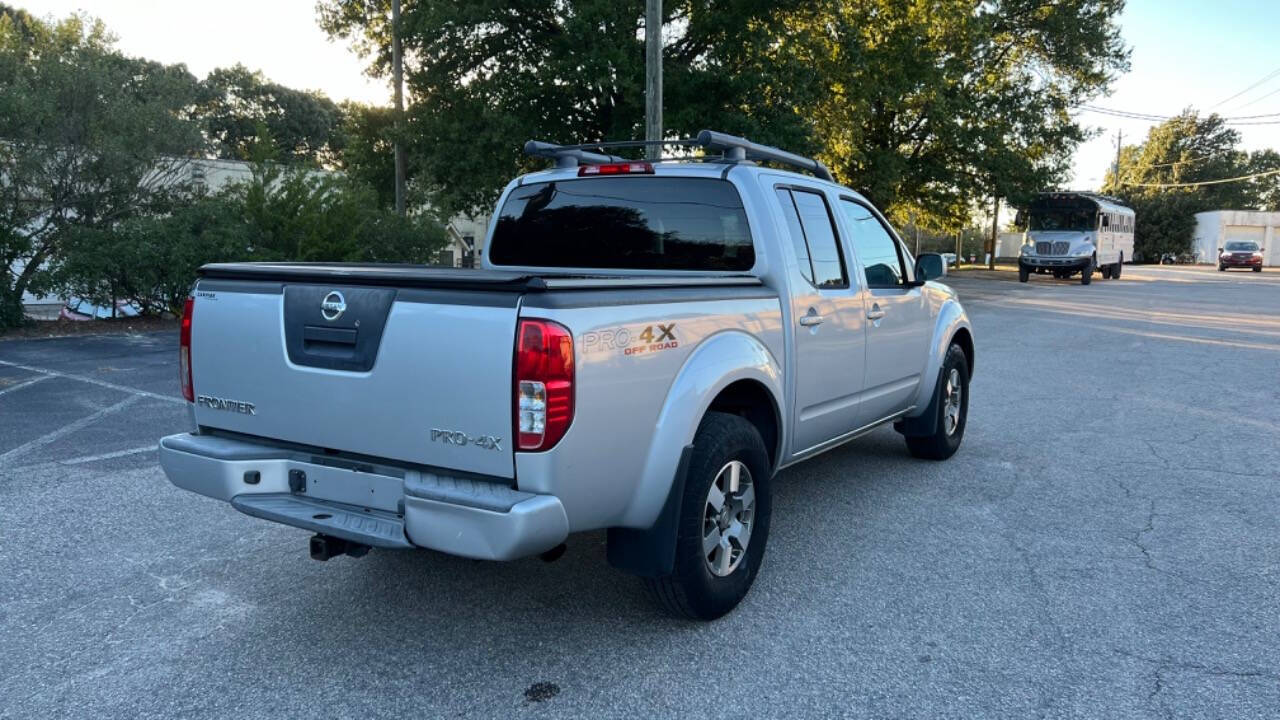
column 94, row 381
column 25, row 383
column 68, row 429
column 108, row 456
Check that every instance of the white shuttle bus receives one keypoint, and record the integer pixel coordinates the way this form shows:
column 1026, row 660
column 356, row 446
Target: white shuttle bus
column 1075, row 232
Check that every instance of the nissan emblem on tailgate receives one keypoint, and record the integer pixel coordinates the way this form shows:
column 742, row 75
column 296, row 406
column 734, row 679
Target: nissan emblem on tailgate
column 333, row 306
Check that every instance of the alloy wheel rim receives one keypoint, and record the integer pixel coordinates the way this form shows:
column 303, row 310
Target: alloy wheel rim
column 728, row 518
column 954, row 397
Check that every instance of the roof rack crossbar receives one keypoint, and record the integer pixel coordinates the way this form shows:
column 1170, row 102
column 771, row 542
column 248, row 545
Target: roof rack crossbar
column 737, row 149
column 567, row 155
column 732, row 148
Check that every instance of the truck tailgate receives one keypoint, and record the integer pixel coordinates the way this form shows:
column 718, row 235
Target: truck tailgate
column 419, row 375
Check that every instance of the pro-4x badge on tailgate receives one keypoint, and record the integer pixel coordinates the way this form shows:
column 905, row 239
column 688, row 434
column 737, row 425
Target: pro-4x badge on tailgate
column 454, row 437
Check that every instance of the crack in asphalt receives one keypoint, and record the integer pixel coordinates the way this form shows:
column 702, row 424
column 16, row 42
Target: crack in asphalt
column 1166, row 664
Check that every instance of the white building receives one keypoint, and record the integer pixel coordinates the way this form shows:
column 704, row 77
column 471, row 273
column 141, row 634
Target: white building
column 1008, row 244
column 1217, row 227
column 466, row 238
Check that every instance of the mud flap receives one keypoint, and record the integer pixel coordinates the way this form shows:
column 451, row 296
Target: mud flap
column 651, row 552
column 926, row 423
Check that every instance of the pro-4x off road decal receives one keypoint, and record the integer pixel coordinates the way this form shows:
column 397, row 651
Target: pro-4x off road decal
column 631, row 340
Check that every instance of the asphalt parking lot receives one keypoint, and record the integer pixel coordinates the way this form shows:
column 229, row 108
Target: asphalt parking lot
column 1105, row 544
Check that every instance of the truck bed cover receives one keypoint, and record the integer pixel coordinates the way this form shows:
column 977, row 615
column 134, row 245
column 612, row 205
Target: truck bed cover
column 425, row 276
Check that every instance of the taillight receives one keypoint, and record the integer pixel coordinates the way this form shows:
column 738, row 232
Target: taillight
column 184, row 351
column 543, row 384
column 624, row 168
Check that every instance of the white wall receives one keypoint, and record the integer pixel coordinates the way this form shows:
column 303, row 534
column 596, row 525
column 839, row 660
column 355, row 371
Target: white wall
column 1215, row 227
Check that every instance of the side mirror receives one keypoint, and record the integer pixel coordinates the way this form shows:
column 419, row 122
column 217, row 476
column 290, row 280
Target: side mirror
column 930, row 266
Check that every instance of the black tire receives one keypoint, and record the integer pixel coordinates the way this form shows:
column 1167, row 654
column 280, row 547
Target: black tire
column 1106, row 272
column 1023, row 273
column 692, row 590
column 1115, row 269
column 1222, row 268
column 1258, row 269
column 945, row 439
column 1086, row 275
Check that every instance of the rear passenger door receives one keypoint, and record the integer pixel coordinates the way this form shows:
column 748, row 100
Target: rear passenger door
column 826, row 316
column 899, row 322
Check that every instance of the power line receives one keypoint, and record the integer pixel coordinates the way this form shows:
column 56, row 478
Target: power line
column 1202, row 182
column 1171, row 164
column 1238, row 120
column 1270, row 75
column 1258, row 99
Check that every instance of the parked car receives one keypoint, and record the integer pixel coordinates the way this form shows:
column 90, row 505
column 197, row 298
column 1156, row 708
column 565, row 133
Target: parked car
column 950, row 259
column 78, row 309
column 645, row 346
column 1240, row 254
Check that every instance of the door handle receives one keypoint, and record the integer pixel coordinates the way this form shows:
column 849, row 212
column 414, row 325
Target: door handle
column 811, row 320
column 875, row 313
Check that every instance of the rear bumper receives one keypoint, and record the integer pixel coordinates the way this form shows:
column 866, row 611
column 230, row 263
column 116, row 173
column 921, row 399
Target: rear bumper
column 372, row 505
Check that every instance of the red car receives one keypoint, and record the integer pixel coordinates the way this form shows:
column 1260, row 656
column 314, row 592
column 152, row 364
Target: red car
column 1240, row 254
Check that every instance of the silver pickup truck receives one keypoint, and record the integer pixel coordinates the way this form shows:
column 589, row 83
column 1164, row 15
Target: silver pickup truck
column 644, row 348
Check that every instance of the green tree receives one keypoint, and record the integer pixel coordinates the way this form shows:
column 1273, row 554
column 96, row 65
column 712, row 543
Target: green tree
column 487, row 76
column 88, row 138
column 236, row 106
column 1265, row 190
column 925, row 105
column 151, row 261
column 1162, row 180
column 928, row 105
column 368, row 156
column 296, row 214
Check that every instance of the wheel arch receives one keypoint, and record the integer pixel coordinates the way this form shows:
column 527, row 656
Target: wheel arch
column 732, row 367
column 731, row 371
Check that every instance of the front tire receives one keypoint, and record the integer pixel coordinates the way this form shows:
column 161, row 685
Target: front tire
column 1106, row 272
column 1257, row 268
column 724, row 521
column 1115, row 269
column 1023, row 273
column 1086, row 275
column 952, row 400
column 1222, row 268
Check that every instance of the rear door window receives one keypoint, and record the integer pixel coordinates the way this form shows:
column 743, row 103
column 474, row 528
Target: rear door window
column 625, row 223
column 813, row 235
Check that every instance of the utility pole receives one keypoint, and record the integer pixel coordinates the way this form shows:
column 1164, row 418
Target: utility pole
column 995, row 227
column 653, row 77
column 397, row 78
column 1115, row 174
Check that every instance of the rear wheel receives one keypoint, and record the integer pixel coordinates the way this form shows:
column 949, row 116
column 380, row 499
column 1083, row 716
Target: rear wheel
column 1106, row 272
column 1257, row 268
column 953, row 410
column 1115, row 269
column 724, row 521
column 1222, row 268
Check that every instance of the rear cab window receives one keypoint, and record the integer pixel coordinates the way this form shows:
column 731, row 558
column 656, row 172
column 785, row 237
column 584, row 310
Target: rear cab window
column 625, row 223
